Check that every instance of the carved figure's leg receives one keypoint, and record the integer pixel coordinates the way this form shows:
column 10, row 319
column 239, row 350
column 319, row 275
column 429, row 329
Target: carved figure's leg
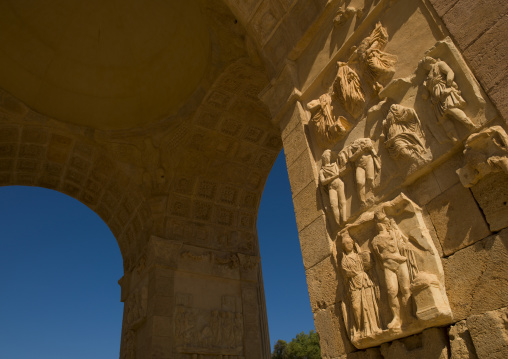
column 342, row 200
column 369, row 174
column 360, row 184
column 356, row 303
column 392, row 286
column 460, row 116
column 334, row 203
column 449, row 129
column 404, row 283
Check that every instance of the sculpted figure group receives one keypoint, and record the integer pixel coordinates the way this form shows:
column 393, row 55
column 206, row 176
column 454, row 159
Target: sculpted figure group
column 390, row 288
column 403, row 134
column 385, row 272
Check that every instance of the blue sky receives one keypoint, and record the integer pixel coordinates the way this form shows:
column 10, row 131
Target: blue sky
column 59, row 267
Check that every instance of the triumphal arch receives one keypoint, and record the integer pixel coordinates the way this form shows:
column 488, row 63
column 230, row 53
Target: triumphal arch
column 165, row 118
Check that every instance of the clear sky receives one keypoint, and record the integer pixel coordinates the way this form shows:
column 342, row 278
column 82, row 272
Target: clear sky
column 59, row 267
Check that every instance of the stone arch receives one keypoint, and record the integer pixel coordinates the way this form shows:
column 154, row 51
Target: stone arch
column 38, row 151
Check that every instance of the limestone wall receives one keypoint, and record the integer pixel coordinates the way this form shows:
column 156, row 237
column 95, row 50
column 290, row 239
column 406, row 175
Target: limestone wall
column 394, row 128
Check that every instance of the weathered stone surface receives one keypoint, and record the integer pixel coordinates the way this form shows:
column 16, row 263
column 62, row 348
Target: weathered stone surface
column 491, row 193
column 372, row 353
column 442, row 6
column 431, row 344
column 322, row 282
column 489, row 52
column 306, row 206
column 445, row 173
column 295, row 144
column 478, row 15
column 461, row 344
column 424, row 189
column 490, row 333
column 476, row 277
column 499, row 96
column 457, row 219
column 301, row 172
column 314, row 242
column 333, row 340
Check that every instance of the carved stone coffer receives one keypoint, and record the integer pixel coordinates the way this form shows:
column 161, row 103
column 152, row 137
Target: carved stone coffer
column 391, row 273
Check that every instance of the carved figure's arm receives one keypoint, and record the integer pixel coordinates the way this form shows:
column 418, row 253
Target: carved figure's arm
column 445, row 69
column 325, row 181
column 313, row 105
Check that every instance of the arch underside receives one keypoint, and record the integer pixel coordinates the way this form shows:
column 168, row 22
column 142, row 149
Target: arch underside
column 180, row 191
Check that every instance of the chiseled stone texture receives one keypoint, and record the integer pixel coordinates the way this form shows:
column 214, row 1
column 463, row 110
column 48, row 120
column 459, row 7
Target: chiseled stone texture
column 461, row 344
column 322, row 282
column 333, row 338
column 372, row 353
column 468, row 19
column 457, row 219
column 490, row 334
column 431, row 344
column 476, row 277
column 491, row 193
column 314, row 242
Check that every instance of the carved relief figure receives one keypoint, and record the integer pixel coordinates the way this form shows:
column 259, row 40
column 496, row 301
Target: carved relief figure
column 389, row 245
column 325, row 127
column 362, row 154
column 379, row 65
column 403, row 134
column 211, row 330
column 485, row 152
column 333, row 186
column 348, row 88
column 399, row 291
column 445, row 96
column 361, row 289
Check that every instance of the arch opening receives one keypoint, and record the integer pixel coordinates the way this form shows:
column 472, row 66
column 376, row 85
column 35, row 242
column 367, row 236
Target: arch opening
column 281, row 257
column 60, row 264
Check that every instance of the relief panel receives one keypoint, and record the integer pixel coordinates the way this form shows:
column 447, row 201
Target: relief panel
column 392, row 277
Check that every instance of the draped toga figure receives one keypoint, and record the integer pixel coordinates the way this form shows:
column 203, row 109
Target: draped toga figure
column 361, row 290
column 446, row 98
column 403, row 134
column 379, row 65
column 348, row 89
column 326, row 128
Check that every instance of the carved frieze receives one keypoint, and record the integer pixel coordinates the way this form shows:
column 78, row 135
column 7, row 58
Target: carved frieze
column 397, row 129
column 445, row 96
column 485, row 152
column 326, row 128
column 377, row 64
column 392, row 277
column 208, row 331
column 404, row 137
column 348, row 88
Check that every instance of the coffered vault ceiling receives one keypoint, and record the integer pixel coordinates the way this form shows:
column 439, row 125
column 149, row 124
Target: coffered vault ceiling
column 109, row 64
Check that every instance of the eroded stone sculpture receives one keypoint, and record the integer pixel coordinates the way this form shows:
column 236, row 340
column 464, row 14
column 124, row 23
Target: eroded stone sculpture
column 329, row 178
column 361, row 289
column 485, row 152
column 348, row 88
column 326, row 128
column 399, row 291
column 379, row 65
column 445, row 96
column 404, row 137
column 217, row 331
column 362, row 155
column 390, row 245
